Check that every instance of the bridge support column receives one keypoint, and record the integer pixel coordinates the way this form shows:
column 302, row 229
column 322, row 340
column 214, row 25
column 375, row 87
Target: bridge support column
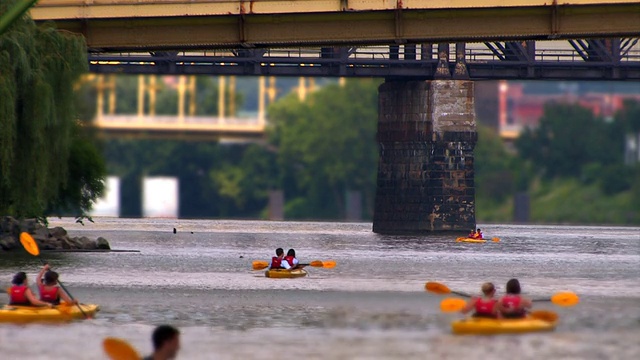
column 426, row 133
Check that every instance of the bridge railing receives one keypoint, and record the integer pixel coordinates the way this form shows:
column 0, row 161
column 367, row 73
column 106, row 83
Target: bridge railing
column 313, row 56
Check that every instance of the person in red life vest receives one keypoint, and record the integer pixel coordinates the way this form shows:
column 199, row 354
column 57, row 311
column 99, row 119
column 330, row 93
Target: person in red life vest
column 513, row 305
column 21, row 294
column 485, row 306
column 277, row 262
column 479, row 234
column 472, row 234
column 49, row 290
column 291, row 259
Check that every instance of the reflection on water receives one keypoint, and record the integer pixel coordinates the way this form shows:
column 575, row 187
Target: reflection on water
column 371, row 306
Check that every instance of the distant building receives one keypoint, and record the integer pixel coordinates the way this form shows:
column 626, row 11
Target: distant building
column 518, row 110
column 511, row 106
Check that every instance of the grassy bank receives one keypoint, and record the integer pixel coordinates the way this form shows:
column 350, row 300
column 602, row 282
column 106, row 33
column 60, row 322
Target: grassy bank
column 568, row 201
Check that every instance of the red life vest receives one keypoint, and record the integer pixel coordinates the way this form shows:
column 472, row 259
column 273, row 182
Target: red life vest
column 49, row 294
column 18, row 295
column 289, row 259
column 479, row 235
column 276, row 263
column 512, row 302
column 484, row 307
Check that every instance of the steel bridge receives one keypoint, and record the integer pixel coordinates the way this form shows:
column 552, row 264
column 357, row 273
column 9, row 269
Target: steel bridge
column 412, row 39
column 590, row 59
column 205, row 24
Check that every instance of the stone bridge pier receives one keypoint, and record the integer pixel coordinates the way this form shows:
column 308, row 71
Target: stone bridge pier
column 426, row 135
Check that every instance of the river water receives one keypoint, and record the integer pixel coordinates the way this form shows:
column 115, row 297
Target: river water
column 371, row 306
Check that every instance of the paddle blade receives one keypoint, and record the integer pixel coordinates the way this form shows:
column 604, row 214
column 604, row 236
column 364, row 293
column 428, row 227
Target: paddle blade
column 495, row 239
column 437, row 288
column 118, row 349
column 544, row 315
column 260, row 265
column 29, row 244
column 565, row 299
column 316, row 263
column 452, row 305
column 329, row 264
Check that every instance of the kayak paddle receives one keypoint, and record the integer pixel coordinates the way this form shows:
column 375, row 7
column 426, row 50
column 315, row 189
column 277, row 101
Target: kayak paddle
column 564, row 298
column 329, row 264
column 442, row 289
column 456, row 305
column 32, row 248
column 118, row 349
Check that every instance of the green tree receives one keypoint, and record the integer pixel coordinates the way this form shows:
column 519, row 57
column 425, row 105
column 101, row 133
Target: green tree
column 567, row 138
column 326, row 146
column 40, row 132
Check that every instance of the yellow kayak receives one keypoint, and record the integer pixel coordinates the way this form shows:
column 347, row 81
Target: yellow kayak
column 470, row 240
column 60, row 313
column 482, row 326
column 285, row 274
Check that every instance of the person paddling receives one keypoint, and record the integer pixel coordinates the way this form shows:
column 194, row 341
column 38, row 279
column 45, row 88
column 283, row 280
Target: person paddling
column 166, row 343
column 49, row 290
column 278, row 262
column 513, row 305
column 20, row 293
column 291, row 259
column 485, row 306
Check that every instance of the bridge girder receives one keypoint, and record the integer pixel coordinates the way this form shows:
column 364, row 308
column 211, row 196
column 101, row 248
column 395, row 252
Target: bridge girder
column 591, row 59
column 149, row 25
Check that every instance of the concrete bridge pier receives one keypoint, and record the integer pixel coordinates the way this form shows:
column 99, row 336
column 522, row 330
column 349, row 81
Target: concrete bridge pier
column 426, row 133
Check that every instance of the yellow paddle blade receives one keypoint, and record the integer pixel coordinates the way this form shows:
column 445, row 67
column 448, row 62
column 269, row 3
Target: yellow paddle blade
column 260, row 265
column 544, row 315
column 329, row 264
column 452, row 305
column 565, row 299
column 495, row 239
column 437, row 288
column 118, row 349
column 29, row 244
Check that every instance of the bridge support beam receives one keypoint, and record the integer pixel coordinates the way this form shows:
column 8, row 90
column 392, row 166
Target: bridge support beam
column 426, row 134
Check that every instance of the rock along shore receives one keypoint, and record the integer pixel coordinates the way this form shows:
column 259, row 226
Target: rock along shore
column 47, row 238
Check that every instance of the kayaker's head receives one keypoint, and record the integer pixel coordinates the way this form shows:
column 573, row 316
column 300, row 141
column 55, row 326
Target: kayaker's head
column 513, row 287
column 279, row 252
column 50, row 278
column 291, row 252
column 20, row 278
column 166, row 341
column 479, row 230
column 488, row 289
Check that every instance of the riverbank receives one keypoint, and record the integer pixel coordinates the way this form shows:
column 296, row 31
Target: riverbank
column 48, row 239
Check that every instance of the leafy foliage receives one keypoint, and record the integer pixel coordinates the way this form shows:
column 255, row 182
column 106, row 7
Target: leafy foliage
column 38, row 118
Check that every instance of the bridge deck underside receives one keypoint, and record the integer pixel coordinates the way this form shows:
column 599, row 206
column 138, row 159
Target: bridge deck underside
column 610, row 59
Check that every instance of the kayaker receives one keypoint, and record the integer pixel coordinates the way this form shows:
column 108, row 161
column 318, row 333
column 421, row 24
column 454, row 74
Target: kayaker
column 277, row 261
column 485, row 306
column 49, row 290
column 479, row 234
column 291, row 259
column 166, row 343
column 472, row 234
column 513, row 305
column 21, row 294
